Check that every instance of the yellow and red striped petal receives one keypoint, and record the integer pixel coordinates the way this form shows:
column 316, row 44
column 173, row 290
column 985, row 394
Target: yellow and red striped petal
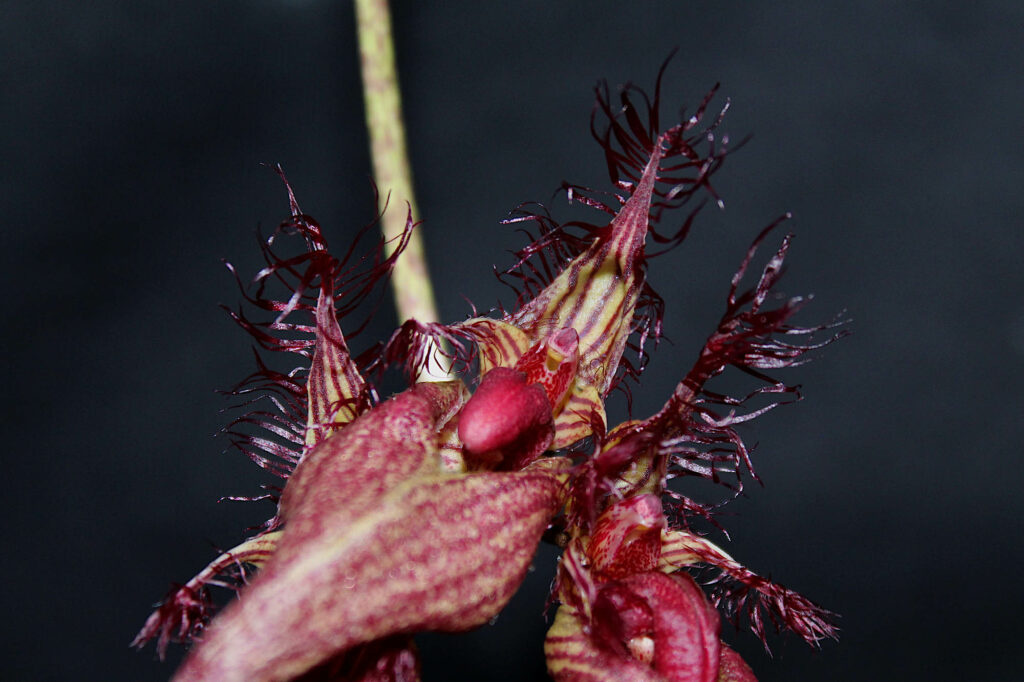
column 499, row 343
column 336, row 391
column 596, row 294
column 582, row 410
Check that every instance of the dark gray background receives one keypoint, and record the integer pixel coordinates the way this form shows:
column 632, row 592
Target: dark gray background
column 131, row 141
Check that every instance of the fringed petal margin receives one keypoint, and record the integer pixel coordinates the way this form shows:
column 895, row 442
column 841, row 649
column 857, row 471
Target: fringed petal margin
column 597, row 292
column 739, row 591
column 689, row 436
column 435, row 553
column 696, row 438
column 186, row 611
column 306, row 404
column 328, row 390
column 595, row 281
column 415, row 346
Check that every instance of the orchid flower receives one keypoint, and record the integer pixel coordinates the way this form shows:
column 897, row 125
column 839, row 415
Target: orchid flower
column 422, row 512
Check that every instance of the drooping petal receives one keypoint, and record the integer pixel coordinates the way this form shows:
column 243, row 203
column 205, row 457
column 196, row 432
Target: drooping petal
column 307, row 404
column 740, row 591
column 186, row 611
column 337, row 480
column 437, row 552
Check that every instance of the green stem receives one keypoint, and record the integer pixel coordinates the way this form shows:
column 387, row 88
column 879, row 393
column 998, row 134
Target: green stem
column 414, row 294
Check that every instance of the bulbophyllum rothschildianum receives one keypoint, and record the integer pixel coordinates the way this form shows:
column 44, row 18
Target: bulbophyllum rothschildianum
column 423, row 511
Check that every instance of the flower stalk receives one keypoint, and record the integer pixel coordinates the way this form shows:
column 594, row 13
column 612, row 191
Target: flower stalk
column 382, row 100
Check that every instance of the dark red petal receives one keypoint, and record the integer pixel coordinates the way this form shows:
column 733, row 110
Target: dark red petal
column 686, row 626
column 595, row 282
column 596, row 294
column 299, row 300
column 696, row 431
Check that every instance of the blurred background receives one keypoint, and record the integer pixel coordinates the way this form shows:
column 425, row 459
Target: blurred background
column 132, row 140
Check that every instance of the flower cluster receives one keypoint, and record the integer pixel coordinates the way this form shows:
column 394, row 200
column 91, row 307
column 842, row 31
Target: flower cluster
column 423, row 511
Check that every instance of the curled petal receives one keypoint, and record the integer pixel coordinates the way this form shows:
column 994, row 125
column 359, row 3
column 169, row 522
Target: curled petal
column 627, row 537
column 435, row 553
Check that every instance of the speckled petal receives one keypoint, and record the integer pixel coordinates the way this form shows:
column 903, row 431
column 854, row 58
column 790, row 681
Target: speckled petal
column 437, row 552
